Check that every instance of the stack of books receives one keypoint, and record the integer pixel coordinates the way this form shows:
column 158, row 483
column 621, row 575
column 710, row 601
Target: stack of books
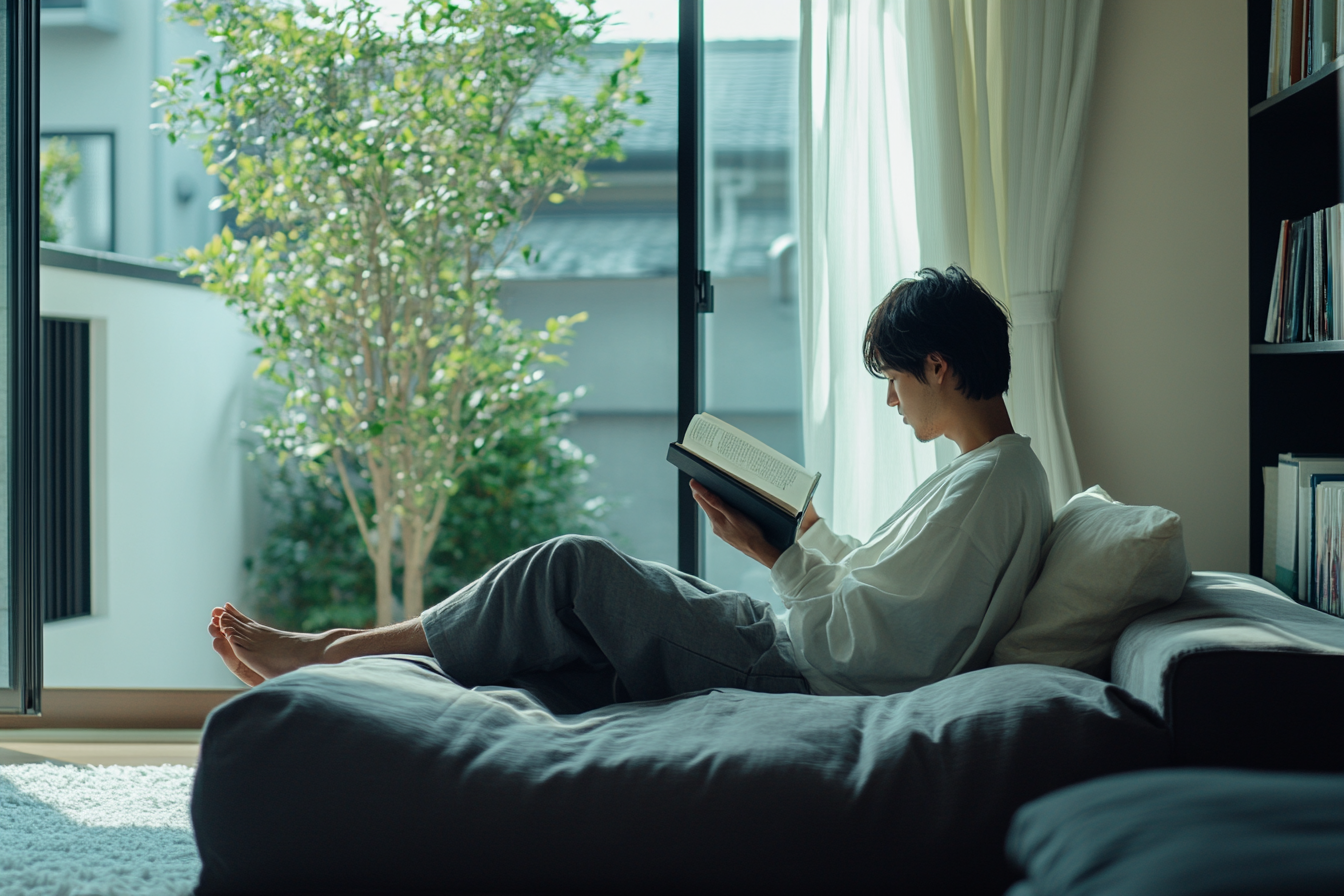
column 1304, row 37
column 1304, row 528
column 1304, row 295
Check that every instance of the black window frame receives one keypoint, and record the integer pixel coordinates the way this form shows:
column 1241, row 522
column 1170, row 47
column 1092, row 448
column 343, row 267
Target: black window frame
column 694, row 298
column 24, row 695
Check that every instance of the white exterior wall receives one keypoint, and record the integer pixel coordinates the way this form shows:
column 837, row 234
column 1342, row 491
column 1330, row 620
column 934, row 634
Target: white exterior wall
column 172, row 375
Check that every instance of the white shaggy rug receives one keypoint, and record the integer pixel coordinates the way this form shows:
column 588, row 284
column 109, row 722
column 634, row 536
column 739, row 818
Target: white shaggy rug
column 115, row 830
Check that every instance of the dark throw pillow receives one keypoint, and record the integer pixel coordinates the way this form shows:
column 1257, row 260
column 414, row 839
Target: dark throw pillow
column 1185, row 832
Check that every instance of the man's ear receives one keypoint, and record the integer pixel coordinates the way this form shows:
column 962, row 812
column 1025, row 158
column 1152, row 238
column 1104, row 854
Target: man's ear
column 935, row 368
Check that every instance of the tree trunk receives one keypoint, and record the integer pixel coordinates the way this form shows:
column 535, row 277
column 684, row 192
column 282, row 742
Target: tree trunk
column 382, row 551
column 413, row 567
column 378, row 542
column 382, row 574
column 417, row 541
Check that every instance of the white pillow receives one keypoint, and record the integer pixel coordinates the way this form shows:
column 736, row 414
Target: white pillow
column 1104, row 565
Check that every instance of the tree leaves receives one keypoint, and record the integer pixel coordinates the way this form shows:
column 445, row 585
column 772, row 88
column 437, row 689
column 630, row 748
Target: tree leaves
column 378, row 180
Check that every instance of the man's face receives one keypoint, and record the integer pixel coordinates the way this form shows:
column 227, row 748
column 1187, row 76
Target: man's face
column 920, row 404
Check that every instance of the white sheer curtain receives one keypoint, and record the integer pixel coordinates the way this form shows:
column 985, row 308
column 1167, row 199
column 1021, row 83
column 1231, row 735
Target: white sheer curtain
column 935, row 132
column 1002, row 87
column 858, row 237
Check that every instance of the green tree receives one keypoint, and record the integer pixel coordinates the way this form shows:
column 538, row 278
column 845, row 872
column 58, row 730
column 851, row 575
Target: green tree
column 59, row 167
column 380, row 178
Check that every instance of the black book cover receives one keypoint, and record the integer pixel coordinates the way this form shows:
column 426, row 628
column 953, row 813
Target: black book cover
column 779, row 527
column 1296, row 291
column 1304, row 284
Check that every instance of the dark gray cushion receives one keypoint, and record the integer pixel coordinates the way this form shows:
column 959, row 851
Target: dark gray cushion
column 1188, row 832
column 383, row 774
column 1244, row 676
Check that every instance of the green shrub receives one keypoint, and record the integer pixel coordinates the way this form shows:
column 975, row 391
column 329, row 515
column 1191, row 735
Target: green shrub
column 313, row 572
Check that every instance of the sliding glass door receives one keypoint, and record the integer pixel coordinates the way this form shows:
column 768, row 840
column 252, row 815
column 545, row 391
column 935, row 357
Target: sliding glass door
column 20, row 611
column 631, row 251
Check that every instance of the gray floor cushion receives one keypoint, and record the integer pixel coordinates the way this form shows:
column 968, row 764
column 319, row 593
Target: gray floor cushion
column 383, row 775
column 1185, row 832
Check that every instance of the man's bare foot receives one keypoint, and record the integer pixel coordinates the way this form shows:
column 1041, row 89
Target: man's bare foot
column 221, row 645
column 269, row 652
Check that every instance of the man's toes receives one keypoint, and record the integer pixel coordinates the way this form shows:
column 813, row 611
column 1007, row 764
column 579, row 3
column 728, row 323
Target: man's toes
column 236, row 613
column 228, row 619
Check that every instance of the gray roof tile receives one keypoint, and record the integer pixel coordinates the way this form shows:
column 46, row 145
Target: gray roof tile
column 750, row 93
column 631, row 244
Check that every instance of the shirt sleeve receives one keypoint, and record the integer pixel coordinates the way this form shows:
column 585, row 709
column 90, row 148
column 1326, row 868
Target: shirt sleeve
column 891, row 626
column 828, row 544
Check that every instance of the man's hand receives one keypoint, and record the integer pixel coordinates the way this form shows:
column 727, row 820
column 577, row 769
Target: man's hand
column 735, row 528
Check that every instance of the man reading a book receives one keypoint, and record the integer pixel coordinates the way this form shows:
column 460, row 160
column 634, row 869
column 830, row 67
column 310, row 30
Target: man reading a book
column 926, row 596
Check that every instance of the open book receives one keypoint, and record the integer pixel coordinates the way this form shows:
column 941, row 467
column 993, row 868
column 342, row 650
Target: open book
column 747, row 474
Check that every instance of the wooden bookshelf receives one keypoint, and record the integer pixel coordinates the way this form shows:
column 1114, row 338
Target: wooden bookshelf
column 1295, row 159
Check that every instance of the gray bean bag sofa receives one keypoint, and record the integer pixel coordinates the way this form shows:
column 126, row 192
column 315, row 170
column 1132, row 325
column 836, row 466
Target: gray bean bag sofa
column 384, row 775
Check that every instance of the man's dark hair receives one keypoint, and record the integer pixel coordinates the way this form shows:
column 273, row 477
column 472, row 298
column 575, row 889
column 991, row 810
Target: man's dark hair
column 943, row 312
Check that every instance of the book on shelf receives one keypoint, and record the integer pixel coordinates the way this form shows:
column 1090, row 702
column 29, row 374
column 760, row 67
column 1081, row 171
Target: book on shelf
column 747, row 474
column 1292, row 544
column 1304, row 37
column 1304, row 292
column 1321, row 539
column 1328, row 546
column 1271, row 522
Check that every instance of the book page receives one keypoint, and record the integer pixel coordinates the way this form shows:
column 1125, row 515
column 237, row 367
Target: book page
column 749, row 459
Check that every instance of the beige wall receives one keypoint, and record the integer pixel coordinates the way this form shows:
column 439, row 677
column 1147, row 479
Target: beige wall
column 1153, row 332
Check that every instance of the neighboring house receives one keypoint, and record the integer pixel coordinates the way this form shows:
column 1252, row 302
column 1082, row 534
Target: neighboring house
column 139, row 195
column 171, row 499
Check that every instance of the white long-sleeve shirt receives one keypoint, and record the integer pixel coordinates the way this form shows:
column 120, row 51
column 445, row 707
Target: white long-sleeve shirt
column 932, row 592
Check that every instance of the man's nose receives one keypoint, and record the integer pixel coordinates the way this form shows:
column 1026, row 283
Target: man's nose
column 892, row 399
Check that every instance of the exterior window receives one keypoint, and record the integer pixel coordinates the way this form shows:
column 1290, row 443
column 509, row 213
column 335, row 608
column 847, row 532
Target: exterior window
column 64, row 494
column 85, row 211
column 79, row 15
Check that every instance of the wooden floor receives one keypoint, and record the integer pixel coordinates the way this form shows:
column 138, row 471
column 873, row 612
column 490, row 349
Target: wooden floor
column 94, row 746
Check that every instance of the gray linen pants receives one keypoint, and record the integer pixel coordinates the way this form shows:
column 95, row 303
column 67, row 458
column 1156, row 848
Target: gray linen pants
column 582, row 625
